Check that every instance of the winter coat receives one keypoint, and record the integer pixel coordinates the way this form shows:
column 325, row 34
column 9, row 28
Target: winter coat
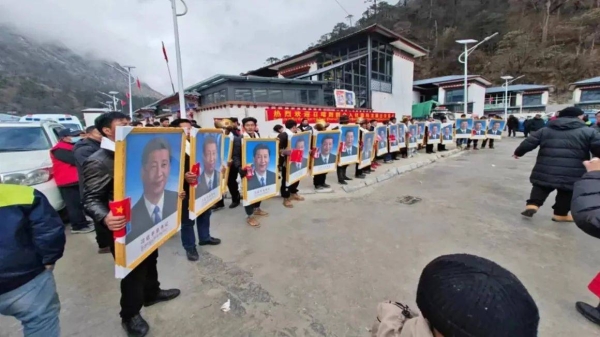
column 391, row 322
column 564, row 145
column 82, row 150
column 513, row 122
column 585, row 205
column 536, row 124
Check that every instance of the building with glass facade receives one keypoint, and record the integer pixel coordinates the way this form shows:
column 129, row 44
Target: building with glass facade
column 521, row 98
column 450, row 93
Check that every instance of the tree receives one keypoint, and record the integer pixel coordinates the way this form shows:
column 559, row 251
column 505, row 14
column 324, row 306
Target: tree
column 272, row 60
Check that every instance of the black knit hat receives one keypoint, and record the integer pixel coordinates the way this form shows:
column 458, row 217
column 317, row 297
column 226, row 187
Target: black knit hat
column 468, row 296
column 570, row 112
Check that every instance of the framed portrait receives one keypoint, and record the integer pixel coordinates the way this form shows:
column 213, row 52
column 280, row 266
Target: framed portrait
column 421, row 126
column 340, row 98
column 479, row 128
column 207, row 150
column 411, row 136
column 434, row 130
column 382, row 139
column 402, row 130
column 226, row 155
column 261, row 155
column 464, row 128
column 367, row 151
column 149, row 170
column 495, row 127
column 296, row 171
column 327, row 144
column 447, row 133
column 348, row 144
column 350, row 99
column 394, row 138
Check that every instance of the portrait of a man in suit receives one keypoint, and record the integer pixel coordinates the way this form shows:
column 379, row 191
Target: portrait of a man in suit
column 156, row 203
column 367, row 148
column 394, row 136
column 383, row 141
column 412, row 131
column 464, row 128
column 478, row 131
column 420, row 132
column 262, row 176
column 351, row 150
column 447, row 133
column 495, row 130
column 295, row 167
column 325, row 156
column 435, row 132
column 209, row 179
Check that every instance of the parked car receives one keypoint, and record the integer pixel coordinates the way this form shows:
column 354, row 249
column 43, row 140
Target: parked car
column 25, row 156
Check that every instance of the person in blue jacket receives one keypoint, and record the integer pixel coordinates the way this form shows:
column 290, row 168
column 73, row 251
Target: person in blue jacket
column 32, row 239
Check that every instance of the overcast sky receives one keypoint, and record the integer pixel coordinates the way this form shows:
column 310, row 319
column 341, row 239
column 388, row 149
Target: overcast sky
column 217, row 36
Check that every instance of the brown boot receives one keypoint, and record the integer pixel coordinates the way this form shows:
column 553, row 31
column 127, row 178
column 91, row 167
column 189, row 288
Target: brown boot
column 252, row 222
column 530, row 210
column 562, row 218
column 260, row 212
column 297, row 197
column 287, row 203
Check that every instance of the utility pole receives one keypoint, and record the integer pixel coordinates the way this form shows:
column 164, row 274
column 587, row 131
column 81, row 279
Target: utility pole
column 350, row 16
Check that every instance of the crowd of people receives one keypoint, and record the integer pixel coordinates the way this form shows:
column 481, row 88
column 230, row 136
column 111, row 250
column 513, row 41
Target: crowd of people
column 34, row 239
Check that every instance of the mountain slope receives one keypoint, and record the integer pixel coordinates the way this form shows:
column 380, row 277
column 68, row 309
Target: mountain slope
column 37, row 78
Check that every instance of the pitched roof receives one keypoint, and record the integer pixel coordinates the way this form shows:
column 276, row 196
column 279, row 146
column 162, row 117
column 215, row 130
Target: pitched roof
column 593, row 80
column 517, row 87
column 448, row 79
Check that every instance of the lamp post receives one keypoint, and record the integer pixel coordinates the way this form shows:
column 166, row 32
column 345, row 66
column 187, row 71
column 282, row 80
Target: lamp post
column 182, row 109
column 464, row 59
column 507, row 81
column 130, row 93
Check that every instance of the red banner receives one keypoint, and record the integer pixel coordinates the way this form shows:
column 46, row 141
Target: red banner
column 329, row 115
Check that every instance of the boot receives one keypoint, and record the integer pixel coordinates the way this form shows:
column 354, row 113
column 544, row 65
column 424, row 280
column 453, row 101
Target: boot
column 530, row 210
column 562, row 218
column 287, row 203
column 589, row 312
column 297, row 197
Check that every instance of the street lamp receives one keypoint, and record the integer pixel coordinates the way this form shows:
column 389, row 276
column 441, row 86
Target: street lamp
column 464, row 59
column 182, row 109
column 114, row 94
column 130, row 95
column 507, row 81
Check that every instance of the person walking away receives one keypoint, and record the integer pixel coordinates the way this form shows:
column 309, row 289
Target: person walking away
column 585, row 207
column 462, row 295
column 82, row 150
column 513, row 125
column 341, row 171
column 288, row 193
column 537, row 123
column 64, row 168
column 319, row 180
column 564, row 145
column 32, row 240
column 202, row 222
column 140, row 287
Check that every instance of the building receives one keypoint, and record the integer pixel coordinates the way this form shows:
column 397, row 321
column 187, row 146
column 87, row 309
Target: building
column 586, row 93
column 449, row 92
column 375, row 63
column 521, row 98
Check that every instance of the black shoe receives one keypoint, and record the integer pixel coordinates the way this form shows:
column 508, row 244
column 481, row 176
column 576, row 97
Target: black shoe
column 589, row 312
column 367, row 172
column 163, row 296
column 136, row 326
column 192, row 255
column 347, row 178
column 325, row 186
column 318, row 187
column 212, row 241
column 342, row 182
column 217, row 207
column 234, row 204
column 362, row 176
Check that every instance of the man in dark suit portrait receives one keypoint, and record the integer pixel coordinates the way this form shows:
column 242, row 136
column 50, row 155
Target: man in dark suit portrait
column 478, row 129
column 156, row 203
column 325, row 156
column 394, row 135
column 412, row 131
column 383, row 141
column 295, row 167
column 366, row 153
column 495, row 130
column 435, row 132
column 464, row 128
column 210, row 177
column 351, row 150
column 262, row 176
column 420, row 133
column 447, row 134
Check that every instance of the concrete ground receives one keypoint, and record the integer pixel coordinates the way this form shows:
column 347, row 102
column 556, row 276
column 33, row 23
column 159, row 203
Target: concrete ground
column 320, row 268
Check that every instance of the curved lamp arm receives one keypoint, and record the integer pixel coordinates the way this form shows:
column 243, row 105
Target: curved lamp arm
column 186, row 9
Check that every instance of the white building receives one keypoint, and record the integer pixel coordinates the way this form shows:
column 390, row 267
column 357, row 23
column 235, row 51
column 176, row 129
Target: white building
column 449, row 92
column 521, row 98
column 586, row 93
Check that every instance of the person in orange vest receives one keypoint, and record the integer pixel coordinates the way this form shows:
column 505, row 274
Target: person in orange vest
column 64, row 167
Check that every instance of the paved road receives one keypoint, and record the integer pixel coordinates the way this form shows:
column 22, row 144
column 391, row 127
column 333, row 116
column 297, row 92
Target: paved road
column 321, row 268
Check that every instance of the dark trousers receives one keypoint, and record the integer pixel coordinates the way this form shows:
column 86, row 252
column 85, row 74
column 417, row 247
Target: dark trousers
column 139, row 286
column 72, row 198
column 441, row 147
column 485, row 142
column 202, row 222
column 284, row 190
column 513, row 131
column 562, row 203
column 233, row 186
column 474, row 143
column 429, row 148
column 319, row 179
column 358, row 171
column 104, row 236
column 250, row 208
column 341, row 172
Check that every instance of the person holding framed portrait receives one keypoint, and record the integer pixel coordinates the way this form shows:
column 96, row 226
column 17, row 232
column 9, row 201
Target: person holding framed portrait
column 231, row 173
column 325, row 149
column 288, row 192
column 346, row 149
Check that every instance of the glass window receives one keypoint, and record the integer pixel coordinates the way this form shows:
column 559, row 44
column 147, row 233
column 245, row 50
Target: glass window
column 304, row 96
column 590, row 95
column 14, row 139
column 222, row 96
column 313, row 97
column 275, row 96
column 243, row 95
column 208, row 99
column 529, row 100
column 455, row 96
column 260, row 95
column 289, row 96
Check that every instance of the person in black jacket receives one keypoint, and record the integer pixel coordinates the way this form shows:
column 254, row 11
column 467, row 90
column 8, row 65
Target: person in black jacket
column 288, row 193
column 537, row 123
column 513, row 125
column 585, row 207
column 564, row 145
column 82, row 150
column 140, row 287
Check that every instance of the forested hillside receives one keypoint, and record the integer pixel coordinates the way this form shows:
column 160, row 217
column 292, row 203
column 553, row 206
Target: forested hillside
column 549, row 41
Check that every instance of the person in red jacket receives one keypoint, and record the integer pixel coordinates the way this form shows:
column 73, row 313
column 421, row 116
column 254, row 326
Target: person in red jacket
column 64, row 167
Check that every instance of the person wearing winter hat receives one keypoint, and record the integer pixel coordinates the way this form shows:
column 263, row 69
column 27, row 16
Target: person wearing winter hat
column 462, row 295
column 565, row 143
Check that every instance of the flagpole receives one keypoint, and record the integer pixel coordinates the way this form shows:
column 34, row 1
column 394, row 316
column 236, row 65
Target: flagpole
column 130, row 93
column 168, row 68
column 182, row 109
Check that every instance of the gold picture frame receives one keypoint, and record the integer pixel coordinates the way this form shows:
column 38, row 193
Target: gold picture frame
column 273, row 157
column 194, row 209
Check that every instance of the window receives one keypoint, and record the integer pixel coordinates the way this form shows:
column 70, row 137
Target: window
column 455, row 96
column 220, row 96
column 590, row 95
column 275, row 96
column 313, row 97
column 381, row 62
column 16, row 139
column 289, row 96
column 529, row 100
column 260, row 95
column 208, row 99
column 304, row 96
column 244, row 95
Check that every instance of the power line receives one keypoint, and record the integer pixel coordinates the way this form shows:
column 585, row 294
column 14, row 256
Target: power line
column 342, row 7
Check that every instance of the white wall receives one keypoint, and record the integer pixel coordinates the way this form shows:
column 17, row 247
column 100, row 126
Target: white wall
column 442, row 96
column 545, row 97
column 206, row 118
column 519, row 100
column 576, row 95
column 476, row 94
column 385, row 102
column 402, row 87
column 416, row 97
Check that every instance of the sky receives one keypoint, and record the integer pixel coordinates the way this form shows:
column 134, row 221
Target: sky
column 216, row 36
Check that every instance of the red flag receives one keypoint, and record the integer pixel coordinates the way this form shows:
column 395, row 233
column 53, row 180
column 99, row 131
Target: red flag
column 249, row 171
column 123, row 208
column 342, row 147
column 123, row 102
column 393, row 137
column 195, row 170
column 165, row 52
column 127, row 95
column 594, row 286
column 139, row 84
column 296, row 156
column 315, row 153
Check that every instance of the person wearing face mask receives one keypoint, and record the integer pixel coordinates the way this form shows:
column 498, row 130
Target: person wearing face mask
column 64, row 167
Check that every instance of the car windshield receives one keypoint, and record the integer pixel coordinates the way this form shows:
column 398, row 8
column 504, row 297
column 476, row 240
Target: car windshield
column 71, row 126
column 14, row 139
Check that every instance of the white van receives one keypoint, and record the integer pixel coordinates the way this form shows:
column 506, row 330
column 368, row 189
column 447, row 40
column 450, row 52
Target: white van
column 68, row 121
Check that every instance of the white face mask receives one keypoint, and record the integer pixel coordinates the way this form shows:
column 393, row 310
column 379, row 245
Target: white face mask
column 75, row 139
